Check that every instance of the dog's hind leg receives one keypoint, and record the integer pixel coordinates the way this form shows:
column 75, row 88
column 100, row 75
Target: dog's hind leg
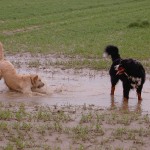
column 139, row 91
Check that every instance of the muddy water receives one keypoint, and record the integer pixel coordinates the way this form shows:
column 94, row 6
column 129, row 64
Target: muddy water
column 78, row 88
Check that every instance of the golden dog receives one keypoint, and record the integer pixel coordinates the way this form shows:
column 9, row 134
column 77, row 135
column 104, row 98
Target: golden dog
column 28, row 84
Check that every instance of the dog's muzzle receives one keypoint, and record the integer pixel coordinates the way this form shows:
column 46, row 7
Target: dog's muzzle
column 41, row 85
column 105, row 55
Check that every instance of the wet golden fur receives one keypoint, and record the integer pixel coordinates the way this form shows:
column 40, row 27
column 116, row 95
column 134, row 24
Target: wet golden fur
column 18, row 82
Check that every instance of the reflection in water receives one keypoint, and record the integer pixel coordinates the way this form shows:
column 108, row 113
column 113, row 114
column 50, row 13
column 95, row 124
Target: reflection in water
column 125, row 105
column 80, row 89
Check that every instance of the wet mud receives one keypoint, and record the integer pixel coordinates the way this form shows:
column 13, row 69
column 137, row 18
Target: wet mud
column 78, row 87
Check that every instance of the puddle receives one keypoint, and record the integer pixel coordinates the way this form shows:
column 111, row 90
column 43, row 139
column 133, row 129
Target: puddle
column 79, row 88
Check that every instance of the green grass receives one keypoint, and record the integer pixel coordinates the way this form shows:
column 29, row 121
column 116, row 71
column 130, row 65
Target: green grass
column 76, row 27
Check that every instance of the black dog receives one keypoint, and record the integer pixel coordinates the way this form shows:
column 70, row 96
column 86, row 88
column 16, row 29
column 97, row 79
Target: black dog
column 129, row 71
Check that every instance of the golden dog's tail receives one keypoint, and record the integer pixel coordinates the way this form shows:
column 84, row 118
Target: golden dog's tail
column 1, row 51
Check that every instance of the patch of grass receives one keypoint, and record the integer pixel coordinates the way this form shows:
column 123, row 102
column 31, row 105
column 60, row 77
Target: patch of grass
column 3, row 126
column 98, row 130
column 140, row 24
column 86, row 118
column 81, row 132
column 35, row 64
column 119, row 132
column 9, row 147
column 79, row 64
column 5, row 114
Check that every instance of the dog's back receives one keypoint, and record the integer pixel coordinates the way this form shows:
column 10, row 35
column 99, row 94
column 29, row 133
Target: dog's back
column 8, row 73
column 132, row 67
column 7, row 68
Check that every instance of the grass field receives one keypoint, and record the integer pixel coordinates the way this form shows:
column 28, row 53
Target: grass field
column 76, row 27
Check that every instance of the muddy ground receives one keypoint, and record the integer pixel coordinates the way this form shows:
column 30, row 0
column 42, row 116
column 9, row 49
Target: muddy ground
column 77, row 113
column 71, row 127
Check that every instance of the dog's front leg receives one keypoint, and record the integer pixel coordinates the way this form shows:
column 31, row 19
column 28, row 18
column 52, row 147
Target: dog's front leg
column 114, row 81
column 30, row 93
column 39, row 90
column 27, row 91
column 126, row 90
column 112, row 90
column 139, row 96
column 139, row 91
column 38, row 94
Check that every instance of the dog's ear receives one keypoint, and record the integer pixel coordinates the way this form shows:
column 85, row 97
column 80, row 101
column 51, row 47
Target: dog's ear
column 34, row 78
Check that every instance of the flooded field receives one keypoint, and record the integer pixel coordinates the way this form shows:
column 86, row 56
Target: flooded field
column 76, row 113
column 78, row 87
